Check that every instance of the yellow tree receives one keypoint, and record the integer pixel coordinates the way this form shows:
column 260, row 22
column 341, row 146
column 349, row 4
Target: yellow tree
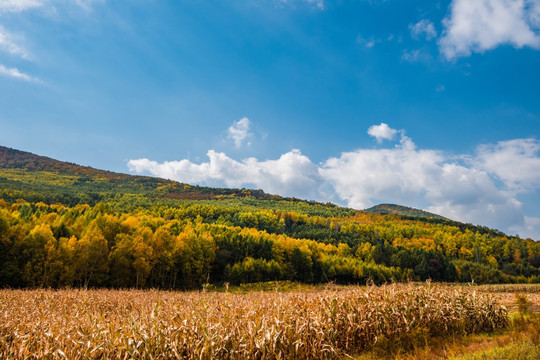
column 92, row 252
column 143, row 255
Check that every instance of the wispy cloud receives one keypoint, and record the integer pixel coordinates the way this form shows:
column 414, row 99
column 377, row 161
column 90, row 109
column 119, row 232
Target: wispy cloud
column 368, row 43
column 481, row 187
column 18, row 5
column 7, row 44
column 16, row 74
column 440, row 88
column 87, row 5
column 415, row 55
column 423, row 29
column 239, row 131
column 319, row 4
column 24, row 5
column 481, row 25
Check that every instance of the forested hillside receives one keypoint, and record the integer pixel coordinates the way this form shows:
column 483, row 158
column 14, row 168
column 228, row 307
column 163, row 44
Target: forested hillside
column 66, row 225
column 38, row 178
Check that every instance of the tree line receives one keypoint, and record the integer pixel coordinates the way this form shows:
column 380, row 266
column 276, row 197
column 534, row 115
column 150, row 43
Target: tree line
column 191, row 244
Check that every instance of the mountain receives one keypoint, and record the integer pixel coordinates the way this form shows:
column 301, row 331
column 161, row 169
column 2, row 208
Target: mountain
column 62, row 224
column 41, row 174
column 403, row 211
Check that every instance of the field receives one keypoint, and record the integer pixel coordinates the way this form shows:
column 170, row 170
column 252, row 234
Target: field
column 331, row 322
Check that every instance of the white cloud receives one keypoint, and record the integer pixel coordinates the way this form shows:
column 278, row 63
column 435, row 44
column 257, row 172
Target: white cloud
column 382, row 132
column 18, row 5
column 411, row 56
column 8, row 45
column 24, row 5
column 470, row 195
column 480, row 25
column 422, row 178
column 533, row 13
column 416, row 55
column 15, row 73
column 239, row 131
column 363, row 177
column 515, row 162
column 293, row 174
column 7, row 42
column 423, row 29
column 480, row 188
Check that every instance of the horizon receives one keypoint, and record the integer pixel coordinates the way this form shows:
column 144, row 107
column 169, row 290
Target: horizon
column 429, row 105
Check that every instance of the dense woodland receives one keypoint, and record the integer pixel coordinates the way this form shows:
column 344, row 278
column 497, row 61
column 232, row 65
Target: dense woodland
column 62, row 225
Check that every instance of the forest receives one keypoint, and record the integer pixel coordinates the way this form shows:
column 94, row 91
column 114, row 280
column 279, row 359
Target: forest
column 62, row 225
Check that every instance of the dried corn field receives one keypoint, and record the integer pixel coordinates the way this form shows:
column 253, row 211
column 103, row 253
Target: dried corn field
column 331, row 323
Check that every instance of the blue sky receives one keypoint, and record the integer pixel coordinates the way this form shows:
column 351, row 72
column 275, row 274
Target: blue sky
column 430, row 104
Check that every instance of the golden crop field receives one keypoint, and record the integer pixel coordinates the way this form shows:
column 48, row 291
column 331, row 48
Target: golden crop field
column 326, row 323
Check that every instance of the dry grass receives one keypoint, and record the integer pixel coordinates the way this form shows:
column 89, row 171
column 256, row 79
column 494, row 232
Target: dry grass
column 508, row 295
column 520, row 340
column 509, row 288
column 331, row 323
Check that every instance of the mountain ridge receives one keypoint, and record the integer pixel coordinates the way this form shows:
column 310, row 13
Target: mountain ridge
column 403, row 211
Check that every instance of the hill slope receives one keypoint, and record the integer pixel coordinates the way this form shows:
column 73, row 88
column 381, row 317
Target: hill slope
column 17, row 159
column 35, row 178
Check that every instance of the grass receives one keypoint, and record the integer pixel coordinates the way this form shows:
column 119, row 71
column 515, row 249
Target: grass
column 516, row 351
column 331, row 323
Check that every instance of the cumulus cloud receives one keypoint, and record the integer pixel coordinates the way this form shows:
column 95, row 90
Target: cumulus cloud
column 515, row 162
column 382, row 132
column 239, row 131
column 16, row 74
column 481, row 187
column 480, row 25
column 425, row 178
column 363, row 177
column 293, row 174
column 423, row 29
